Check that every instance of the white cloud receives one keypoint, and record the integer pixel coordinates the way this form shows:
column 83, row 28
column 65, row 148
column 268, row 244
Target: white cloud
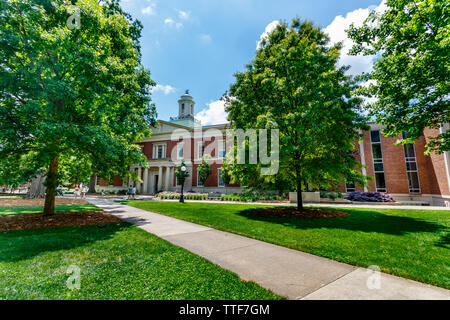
column 172, row 23
column 336, row 31
column 185, row 15
column 149, row 10
column 166, row 89
column 215, row 114
column 269, row 28
column 205, row 38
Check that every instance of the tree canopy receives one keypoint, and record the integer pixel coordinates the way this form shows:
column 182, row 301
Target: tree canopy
column 293, row 85
column 411, row 76
column 66, row 92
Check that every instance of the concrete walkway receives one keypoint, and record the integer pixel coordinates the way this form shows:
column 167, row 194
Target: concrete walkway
column 290, row 273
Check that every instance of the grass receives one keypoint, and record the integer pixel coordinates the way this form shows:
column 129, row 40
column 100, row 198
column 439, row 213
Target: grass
column 409, row 243
column 12, row 195
column 13, row 210
column 119, row 261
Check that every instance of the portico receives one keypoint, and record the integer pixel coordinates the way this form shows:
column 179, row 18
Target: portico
column 156, row 177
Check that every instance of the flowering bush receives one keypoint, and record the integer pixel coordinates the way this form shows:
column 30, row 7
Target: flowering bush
column 369, row 196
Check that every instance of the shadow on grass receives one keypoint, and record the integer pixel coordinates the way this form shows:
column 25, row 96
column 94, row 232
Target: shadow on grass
column 26, row 244
column 15, row 210
column 366, row 221
column 444, row 242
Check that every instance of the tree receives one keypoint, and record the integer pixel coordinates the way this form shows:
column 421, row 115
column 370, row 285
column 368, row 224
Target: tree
column 92, row 181
column 293, row 85
column 75, row 170
column 411, row 78
column 71, row 91
column 204, row 169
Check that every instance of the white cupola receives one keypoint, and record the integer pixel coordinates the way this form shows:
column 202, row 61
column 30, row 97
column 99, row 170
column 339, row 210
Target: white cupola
column 186, row 106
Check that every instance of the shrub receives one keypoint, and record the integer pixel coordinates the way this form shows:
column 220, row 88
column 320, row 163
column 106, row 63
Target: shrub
column 369, row 196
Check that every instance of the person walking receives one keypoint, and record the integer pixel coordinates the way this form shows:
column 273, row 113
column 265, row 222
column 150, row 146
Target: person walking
column 83, row 192
column 76, row 191
column 133, row 193
column 130, row 190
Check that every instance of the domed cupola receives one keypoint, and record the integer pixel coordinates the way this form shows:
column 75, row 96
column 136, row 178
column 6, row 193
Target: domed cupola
column 186, row 106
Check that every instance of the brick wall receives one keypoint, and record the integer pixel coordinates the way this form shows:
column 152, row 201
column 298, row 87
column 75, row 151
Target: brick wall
column 437, row 174
column 394, row 165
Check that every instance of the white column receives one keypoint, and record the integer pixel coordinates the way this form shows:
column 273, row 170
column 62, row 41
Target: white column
column 167, row 186
column 138, row 184
column 159, row 178
column 145, row 189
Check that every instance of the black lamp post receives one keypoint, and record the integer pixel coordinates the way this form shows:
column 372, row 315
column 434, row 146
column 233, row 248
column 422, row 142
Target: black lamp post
column 182, row 179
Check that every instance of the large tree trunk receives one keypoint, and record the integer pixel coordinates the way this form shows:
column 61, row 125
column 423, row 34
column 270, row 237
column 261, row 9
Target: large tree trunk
column 52, row 184
column 92, row 184
column 37, row 187
column 299, row 196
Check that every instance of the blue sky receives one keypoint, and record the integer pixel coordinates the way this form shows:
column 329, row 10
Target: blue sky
column 200, row 44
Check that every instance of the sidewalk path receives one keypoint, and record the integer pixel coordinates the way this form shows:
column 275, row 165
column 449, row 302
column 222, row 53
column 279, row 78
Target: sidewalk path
column 290, row 273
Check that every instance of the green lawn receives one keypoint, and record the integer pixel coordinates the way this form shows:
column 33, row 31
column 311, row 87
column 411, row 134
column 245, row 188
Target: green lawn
column 409, row 243
column 118, row 261
column 5, row 211
column 7, row 195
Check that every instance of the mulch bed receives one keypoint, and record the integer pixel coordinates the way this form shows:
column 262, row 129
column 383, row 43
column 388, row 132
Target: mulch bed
column 59, row 219
column 9, row 202
column 291, row 212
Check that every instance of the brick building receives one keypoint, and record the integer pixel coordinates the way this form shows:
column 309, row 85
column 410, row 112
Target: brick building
column 402, row 171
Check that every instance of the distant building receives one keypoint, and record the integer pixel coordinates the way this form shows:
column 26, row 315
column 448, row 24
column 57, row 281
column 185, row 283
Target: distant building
column 402, row 171
column 164, row 154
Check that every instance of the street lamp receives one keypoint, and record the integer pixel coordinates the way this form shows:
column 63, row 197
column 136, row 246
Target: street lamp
column 182, row 179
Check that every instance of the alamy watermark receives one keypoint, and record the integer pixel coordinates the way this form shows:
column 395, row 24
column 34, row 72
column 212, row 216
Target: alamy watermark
column 373, row 281
column 74, row 280
column 259, row 146
column 74, row 21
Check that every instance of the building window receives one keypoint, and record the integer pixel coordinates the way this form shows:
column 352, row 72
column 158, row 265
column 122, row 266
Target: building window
column 201, row 149
column 411, row 167
column 378, row 163
column 221, row 149
column 182, row 108
column 220, row 181
column 180, row 150
column 159, row 151
column 350, row 187
column 199, row 182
